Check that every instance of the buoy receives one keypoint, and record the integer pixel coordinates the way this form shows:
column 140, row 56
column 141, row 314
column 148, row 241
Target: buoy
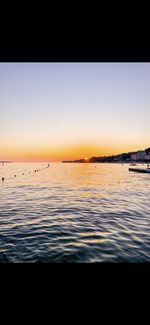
column 22, row 173
column 2, row 178
column 14, row 175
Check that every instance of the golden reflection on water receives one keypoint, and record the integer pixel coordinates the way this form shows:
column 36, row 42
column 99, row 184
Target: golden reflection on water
column 89, row 178
column 84, row 205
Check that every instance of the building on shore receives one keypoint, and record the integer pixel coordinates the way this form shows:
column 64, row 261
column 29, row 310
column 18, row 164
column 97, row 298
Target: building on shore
column 141, row 155
column 133, row 156
column 147, row 157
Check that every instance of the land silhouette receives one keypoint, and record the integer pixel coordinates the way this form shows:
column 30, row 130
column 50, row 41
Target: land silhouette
column 139, row 156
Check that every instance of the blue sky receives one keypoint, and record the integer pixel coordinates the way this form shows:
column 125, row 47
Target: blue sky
column 46, row 108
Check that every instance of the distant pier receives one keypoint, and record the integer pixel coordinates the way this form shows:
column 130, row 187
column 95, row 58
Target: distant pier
column 139, row 170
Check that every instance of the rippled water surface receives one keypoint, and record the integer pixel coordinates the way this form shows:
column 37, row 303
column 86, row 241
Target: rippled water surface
column 74, row 213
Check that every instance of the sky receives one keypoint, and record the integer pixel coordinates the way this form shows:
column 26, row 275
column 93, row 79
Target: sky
column 57, row 111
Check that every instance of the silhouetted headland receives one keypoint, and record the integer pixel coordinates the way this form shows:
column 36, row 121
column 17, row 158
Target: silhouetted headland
column 138, row 156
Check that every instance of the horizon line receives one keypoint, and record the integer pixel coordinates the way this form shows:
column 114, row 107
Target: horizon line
column 58, row 161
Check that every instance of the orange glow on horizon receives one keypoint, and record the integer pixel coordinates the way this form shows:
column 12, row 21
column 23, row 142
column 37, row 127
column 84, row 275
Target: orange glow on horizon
column 52, row 111
column 71, row 152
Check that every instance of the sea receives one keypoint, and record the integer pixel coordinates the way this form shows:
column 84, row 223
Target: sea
column 74, row 213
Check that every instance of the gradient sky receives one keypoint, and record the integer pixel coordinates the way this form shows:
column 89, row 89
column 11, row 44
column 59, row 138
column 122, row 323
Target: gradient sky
column 56, row 111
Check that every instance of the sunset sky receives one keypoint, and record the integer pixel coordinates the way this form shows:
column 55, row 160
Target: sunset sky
column 57, row 111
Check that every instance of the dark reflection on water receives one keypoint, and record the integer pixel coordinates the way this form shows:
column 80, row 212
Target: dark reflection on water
column 74, row 213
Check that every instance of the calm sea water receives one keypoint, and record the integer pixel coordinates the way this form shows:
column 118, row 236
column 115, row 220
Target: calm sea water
column 74, row 213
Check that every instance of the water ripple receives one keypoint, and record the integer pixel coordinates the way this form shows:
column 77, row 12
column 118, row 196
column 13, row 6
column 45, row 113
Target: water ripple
column 74, row 213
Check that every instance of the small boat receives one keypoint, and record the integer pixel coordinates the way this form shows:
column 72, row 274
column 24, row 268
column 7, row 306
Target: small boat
column 133, row 164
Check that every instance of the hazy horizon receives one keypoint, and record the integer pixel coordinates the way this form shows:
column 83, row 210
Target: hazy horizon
column 58, row 161
column 67, row 111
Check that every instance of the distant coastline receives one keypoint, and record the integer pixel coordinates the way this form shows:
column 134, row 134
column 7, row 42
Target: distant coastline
column 5, row 161
column 138, row 156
